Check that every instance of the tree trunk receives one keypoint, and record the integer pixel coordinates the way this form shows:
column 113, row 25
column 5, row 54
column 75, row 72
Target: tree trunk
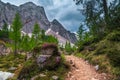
column 15, row 51
column 105, row 8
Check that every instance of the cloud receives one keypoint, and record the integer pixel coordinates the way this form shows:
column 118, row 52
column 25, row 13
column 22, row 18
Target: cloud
column 65, row 11
column 45, row 2
column 19, row 2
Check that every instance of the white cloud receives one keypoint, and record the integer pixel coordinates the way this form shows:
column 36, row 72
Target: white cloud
column 19, row 2
column 66, row 12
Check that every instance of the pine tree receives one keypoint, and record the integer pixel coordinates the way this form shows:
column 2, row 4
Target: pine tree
column 36, row 30
column 68, row 47
column 16, row 31
column 4, row 33
column 80, row 33
column 5, row 27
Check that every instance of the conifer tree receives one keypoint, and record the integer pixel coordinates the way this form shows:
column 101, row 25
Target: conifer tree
column 16, row 31
column 37, row 32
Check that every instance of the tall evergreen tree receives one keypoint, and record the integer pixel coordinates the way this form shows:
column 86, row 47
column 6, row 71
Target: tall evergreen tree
column 96, row 16
column 5, row 27
column 4, row 33
column 16, row 31
column 37, row 32
column 80, row 33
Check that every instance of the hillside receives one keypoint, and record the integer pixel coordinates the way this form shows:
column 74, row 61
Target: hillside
column 105, row 54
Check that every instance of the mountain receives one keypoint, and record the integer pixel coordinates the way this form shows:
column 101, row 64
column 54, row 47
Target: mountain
column 31, row 13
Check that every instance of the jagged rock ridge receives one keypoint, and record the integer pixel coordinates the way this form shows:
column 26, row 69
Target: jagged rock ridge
column 31, row 13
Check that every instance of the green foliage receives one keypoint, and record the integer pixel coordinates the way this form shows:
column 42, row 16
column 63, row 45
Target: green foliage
column 4, row 33
column 29, row 70
column 113, row 52
column 15, row 35
column 50, row 39
column 68, row 47
column 5, row 27
column 36, row 31
column 99, row 26
column 114, row 36
column 27, row 43
column 103, row 31
column 114, row 56
column 80, row 55
column 60, row 72
column 80, row 33
column 10, row 61
column 106, row 54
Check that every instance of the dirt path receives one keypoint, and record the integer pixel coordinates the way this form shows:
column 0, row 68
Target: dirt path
column 81, row 70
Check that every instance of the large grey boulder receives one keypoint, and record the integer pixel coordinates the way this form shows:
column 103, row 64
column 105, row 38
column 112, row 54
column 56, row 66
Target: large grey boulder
column 49, row 57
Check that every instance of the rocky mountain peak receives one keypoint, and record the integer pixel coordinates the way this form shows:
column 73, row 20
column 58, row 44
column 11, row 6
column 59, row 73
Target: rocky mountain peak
column 55, row 21
column 1, row 3
column 29, row 4
column 30, row 14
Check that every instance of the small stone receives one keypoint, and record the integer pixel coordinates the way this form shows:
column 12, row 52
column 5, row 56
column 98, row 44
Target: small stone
column 12, row 68
column 96, row 67
column 86, row 61
column 42, row 75
column 55, row 77
column 71, row 62
column 103, row 74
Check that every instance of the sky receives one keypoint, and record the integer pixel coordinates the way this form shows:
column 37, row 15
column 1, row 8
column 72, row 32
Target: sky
column 65, row 11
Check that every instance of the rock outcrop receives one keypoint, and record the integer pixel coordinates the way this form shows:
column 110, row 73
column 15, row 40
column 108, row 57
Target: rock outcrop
column 31, row 13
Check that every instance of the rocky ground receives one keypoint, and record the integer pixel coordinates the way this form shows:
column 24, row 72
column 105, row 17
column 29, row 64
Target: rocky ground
column 82, row 70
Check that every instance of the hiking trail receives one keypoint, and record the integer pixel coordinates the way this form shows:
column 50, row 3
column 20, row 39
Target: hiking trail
column 82, row 70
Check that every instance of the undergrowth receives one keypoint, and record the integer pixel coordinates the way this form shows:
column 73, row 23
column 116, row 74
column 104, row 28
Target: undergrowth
column 106, row 54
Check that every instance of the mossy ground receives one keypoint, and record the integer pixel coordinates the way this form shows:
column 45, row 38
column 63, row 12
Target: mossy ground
column 29, row 68
column 10, row 61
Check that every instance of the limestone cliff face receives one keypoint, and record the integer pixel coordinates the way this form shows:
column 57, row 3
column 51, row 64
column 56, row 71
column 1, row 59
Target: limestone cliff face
column 31, row 13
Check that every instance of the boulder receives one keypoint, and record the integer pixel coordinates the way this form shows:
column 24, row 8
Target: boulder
column 3, row 49
column 49, row 57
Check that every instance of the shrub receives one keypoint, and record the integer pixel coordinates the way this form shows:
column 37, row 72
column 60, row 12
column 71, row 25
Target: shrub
column 29, row 70
column 115, row 36
column 114, row 56
column 37, row 49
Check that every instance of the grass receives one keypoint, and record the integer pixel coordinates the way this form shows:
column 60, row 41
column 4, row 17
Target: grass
column 28, row 69
column 60, row 72
column 10, row 61
column 106, row 55
column 80, row 55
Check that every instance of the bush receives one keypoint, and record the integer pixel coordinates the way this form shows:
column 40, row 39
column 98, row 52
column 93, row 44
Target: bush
column 114, row 36
column 114, row 56
column 36, row 50
column 29, row 70
column 3, row 34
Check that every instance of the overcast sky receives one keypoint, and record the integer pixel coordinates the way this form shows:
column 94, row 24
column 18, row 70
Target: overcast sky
column 65, row 11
